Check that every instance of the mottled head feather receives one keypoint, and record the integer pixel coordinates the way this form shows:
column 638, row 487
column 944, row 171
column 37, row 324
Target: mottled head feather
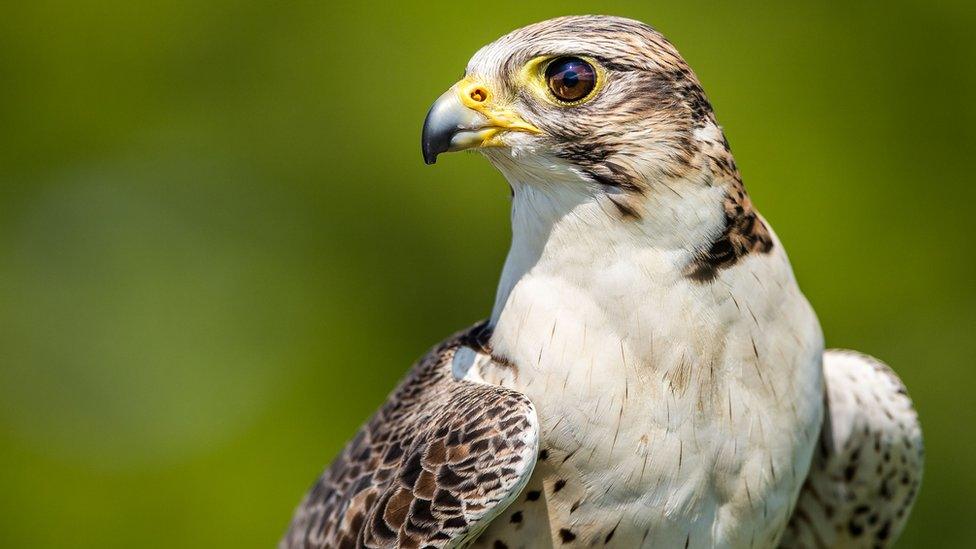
column 648, row 130
column 641, row 125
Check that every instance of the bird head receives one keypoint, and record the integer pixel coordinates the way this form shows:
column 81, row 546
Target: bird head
column 604, row 101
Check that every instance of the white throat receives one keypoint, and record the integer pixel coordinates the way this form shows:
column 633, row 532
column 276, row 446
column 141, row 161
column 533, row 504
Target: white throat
column 566, row 231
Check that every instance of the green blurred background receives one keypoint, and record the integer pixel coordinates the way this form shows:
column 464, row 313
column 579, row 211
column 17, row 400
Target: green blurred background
column 219, row 246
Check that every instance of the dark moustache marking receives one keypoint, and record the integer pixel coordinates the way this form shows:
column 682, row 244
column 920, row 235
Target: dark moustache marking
column 671, row 95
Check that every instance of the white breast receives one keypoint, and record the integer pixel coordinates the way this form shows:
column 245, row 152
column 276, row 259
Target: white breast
column 673, row 412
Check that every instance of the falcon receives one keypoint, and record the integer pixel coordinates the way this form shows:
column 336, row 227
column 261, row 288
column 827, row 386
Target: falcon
column 651, row 374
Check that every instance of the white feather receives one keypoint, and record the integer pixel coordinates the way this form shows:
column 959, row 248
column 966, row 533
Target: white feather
column 689, row 410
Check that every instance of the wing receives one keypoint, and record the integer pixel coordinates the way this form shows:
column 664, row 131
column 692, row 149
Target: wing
column 868, row 468
column 431, row 468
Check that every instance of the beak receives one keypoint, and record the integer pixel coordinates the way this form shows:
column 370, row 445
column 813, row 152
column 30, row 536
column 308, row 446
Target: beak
column 464, row 117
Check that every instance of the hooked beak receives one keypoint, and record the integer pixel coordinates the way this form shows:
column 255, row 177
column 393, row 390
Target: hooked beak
column 464, row 117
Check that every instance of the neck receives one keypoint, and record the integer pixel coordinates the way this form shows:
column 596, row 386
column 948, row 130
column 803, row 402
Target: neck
column 594, row 303
column 566, row 230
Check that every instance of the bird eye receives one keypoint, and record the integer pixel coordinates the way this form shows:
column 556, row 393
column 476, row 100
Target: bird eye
column 570, row 79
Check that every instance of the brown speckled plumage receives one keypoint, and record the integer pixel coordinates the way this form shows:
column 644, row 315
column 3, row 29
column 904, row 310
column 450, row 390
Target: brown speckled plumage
column 430, row 469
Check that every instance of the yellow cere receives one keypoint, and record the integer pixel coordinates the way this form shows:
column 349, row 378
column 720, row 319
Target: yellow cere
column 476, row 96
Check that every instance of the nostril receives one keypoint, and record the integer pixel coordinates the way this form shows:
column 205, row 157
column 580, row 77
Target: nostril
column 479, row 94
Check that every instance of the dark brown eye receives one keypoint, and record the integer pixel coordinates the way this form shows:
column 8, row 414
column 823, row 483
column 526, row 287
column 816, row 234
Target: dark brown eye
column 570, row 79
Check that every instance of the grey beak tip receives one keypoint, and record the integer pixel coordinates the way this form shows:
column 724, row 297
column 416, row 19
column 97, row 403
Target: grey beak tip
column 430, row 157
column 437, row 133
column 435, row 139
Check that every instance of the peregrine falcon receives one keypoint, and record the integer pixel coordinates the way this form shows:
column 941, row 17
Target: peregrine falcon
column 651, row 374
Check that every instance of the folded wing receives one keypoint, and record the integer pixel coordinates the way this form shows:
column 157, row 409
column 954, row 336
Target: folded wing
column 867, row 469
column 433, row 466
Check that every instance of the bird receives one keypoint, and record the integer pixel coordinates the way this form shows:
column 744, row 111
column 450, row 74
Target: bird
column 650, row 374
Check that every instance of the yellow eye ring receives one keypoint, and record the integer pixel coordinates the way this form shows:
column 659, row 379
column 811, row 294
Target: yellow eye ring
column 570, row 79
column 564, row 80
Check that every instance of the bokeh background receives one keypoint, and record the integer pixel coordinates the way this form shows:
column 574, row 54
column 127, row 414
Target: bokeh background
column 219, row 247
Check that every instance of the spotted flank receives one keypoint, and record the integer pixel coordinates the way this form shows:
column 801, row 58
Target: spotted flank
column 867, row 470
column 435, row 464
